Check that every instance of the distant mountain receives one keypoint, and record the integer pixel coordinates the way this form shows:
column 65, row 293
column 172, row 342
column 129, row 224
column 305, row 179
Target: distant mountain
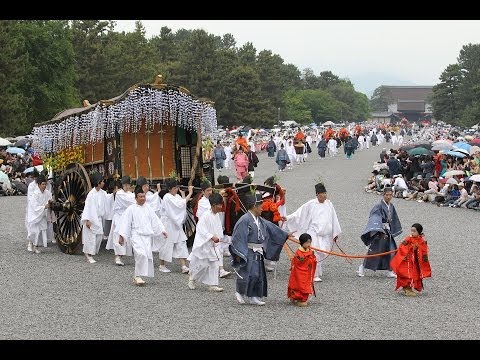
column 368, row 82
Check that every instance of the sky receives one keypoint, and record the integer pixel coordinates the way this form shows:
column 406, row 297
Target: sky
column 368, row 52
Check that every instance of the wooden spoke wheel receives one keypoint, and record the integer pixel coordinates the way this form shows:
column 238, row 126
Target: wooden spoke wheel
column 70, row 192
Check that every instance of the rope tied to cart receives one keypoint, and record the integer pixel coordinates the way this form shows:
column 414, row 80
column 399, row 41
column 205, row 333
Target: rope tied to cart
column 343, row 255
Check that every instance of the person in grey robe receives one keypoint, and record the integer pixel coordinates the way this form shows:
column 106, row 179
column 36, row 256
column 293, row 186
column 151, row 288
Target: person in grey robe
column 253, row 240
column 219, row 156
column 322, row 147
column 383, row 225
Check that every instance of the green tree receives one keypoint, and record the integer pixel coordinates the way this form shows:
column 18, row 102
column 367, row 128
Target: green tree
column 445, row 95
column 242, row 93
column 247, row 54
column 327, row 79
column 295, row 107
column 51, row 69
column 91, row 42
column 270, row 70
column 310, row 80
column 381, row 98
column 13, row 75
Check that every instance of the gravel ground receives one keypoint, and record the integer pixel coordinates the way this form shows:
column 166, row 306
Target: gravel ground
column 58, row 296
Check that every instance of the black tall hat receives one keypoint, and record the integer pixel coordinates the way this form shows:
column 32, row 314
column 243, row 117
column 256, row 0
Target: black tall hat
column 141, row 181
column 95, row 179
column 138, row 190
column 171, row 183
column 125, row 180
column 205, row 185
column 320, row 188
column 252, row 200
column 215, row 199
column 223, row 179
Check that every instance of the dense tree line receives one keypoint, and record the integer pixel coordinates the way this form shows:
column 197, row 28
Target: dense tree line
column 48, row 66
column 456, row 99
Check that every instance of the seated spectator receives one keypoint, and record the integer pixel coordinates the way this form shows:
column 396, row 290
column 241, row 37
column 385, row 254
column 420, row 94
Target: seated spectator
column 463, row 196
column 399, row 186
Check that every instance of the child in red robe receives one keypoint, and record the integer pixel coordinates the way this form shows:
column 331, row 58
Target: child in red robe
column 302, row 271
column 410, row 263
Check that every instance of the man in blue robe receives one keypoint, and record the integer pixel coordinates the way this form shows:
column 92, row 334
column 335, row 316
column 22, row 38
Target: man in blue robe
column 383, row 225
column 253, row 240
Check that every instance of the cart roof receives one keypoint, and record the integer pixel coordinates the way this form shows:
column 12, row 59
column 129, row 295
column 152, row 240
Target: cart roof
column 141, row 103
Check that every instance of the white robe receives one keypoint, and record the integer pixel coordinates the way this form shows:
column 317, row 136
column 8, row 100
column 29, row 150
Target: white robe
column 332, row 147
column 94, row 211
column 30, row 190
column 122, row 201
column 292, row 155
column 320, row 221
column 37, row 216
column 228, row 154
column 139, row 224
column 205, row 256
column 175, row 245
column 154, row 201
column 203, row 206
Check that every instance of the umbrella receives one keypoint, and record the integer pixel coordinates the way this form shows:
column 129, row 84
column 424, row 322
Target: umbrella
column 426, row 145
column 474, row 149
column 475, row 178
column 463, row 151
column 4, row 142
column 420, row 151
column 469, row 137
column 462, row 145
column 442, row 147
column 328, row 123
column 456, row 154
column 406, row 147
column 475, row 141
column 22, row 142
column 453, row 173
column 30, row 169
column 442, row 141
column 15, row 150
column 452, row 181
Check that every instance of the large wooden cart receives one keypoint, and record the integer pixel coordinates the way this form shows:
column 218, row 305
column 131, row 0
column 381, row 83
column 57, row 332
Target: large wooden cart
column 150, row 130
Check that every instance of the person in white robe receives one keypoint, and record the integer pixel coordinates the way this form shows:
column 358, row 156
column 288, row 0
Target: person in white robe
column 140, row 224
column 30, row 190
column 361, row 142
column 109, row 204
column 228, row 153
column 175, row 246
column 153, row 198
column 92, row 218
column 37, row 215
column 318, row 218
column 206, row 255
column 123, row 198
column 332, row 146
column 292, row 155
column 204, row 206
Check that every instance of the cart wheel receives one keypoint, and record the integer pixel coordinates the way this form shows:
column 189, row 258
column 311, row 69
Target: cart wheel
column 71, row 193
column 189, row 226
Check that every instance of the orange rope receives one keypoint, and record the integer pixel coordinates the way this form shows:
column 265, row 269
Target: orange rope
column 289, row 252
column 345, row 255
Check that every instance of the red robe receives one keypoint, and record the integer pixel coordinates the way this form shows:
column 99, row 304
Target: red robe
column 411, row 264
column 302, row 271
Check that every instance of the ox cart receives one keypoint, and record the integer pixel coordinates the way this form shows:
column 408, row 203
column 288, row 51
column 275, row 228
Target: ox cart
column 151, row 130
